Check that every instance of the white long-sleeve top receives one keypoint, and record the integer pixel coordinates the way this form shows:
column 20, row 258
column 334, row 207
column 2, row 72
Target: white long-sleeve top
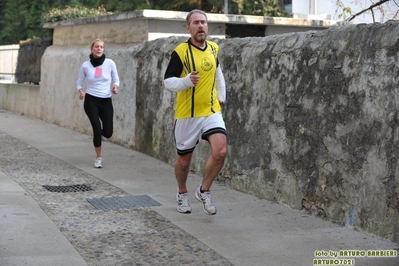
column 180, row 84
column 99, row 79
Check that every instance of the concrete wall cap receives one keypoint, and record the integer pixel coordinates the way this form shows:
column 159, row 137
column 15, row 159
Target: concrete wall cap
column 212, row 17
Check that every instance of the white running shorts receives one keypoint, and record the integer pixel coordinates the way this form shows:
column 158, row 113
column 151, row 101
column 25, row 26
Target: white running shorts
column 188, row 130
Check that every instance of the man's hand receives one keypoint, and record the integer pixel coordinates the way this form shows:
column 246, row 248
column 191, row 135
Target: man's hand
column 194, row 77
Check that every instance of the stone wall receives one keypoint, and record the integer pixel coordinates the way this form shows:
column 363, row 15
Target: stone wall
column 311, row 117
column 314, row 123
column 22, row 99
column 29, row 58
column 312, row 120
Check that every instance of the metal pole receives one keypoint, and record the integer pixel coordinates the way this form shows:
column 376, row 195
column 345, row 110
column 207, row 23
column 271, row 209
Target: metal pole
column 226, row 6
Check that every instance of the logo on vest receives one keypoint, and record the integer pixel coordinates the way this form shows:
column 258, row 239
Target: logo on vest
column 206, row 64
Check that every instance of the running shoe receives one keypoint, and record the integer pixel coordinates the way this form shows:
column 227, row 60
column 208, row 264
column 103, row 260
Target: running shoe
column 206, row 200
column 183, row 203
column 98, row 163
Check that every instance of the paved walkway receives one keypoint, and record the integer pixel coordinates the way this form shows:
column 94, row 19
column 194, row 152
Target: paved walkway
column 39, row 226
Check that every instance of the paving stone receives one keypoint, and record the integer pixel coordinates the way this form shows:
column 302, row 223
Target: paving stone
column 122, row 236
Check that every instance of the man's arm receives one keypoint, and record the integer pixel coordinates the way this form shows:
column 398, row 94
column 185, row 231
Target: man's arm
column 178, row 84
column 172, row 80
column 220, row 85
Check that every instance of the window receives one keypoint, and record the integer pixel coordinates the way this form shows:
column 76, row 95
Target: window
column 287, row 6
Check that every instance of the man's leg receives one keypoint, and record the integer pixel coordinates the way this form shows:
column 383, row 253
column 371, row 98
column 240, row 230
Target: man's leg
column 182, row 168
column 218, row 142
column 215, row 160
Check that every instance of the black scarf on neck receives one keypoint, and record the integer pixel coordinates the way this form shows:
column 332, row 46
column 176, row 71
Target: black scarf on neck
column 97, row 61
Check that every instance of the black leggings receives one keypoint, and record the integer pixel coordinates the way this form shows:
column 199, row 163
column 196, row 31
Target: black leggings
column 100, row 111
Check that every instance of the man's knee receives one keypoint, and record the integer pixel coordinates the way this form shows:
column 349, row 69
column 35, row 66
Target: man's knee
column 183, row 160
column 219, row 147
column 220, row 154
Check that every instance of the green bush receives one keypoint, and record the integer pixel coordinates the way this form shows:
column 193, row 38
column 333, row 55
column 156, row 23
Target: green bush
column 76, row 12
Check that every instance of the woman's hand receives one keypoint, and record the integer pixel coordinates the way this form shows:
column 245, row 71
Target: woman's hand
column 115, row 89
column 81, row 94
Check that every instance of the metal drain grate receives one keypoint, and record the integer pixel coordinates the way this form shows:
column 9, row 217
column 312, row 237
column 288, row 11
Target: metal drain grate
column 70, row 188
column 127, row 202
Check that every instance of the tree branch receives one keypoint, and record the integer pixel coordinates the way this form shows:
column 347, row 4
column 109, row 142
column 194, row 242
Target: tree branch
column 369, row 8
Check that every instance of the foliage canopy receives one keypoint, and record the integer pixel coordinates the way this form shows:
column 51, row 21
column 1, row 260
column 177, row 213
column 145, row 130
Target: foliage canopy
column 22, row 20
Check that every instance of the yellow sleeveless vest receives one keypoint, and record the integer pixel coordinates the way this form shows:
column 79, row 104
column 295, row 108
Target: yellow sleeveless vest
column 201, row 100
